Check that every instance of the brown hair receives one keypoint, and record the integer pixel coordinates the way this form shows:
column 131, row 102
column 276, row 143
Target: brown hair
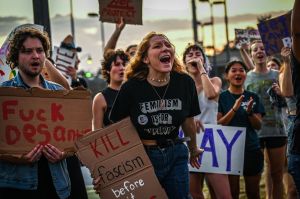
column 254, row 42
column 111, row 56
column 16, row 44
column 138, row 69
column 231, row 63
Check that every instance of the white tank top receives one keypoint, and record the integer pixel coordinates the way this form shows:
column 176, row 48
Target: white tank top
column 209, row 109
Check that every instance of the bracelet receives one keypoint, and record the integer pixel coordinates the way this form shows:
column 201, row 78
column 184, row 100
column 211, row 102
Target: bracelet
column 204, row 73
column 233, row 110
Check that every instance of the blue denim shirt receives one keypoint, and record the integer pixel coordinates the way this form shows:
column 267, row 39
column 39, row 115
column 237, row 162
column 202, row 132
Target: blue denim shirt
column 25, row 176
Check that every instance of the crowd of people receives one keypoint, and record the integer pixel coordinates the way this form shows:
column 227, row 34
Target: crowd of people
column 263, row 95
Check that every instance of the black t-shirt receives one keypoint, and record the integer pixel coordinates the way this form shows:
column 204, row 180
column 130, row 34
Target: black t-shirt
column 296, row 83
column 109, row 96
column 79, row 82
column 240, row 119
column 153, row 114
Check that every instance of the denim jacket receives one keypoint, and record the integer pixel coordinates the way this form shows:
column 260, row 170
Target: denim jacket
column 25, row 176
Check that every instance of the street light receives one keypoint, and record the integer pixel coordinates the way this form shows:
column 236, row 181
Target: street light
column 93, row 14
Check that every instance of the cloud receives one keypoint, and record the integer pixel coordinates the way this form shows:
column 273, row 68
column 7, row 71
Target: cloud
column 8, row 23
column 244, row 17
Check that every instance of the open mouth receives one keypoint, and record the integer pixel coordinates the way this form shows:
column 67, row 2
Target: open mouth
column 35, row 64
column 165, row 59
column 260, row 56
column 238, row 78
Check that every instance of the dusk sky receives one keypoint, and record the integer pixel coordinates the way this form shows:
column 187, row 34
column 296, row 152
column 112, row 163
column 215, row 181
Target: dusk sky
column 172, row 17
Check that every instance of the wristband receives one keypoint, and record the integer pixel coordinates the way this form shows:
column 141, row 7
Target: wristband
column 204, row 73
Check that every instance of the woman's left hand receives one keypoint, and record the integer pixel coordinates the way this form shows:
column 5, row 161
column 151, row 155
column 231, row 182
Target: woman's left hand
column 199, row 126
column 194, row 157
column 250, row 105
column 53, row 154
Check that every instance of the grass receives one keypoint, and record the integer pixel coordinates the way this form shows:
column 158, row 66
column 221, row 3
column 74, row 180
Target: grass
column 93, row 195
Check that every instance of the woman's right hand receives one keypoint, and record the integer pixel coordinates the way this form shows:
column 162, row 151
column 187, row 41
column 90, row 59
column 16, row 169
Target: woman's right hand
column 97, row 184
column 238, row 103
column 35, row 154
column 194, row 157
column 286, row 53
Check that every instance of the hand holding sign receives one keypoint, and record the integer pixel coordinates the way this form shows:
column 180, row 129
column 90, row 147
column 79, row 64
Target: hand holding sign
column 35, row 154
column 52, row 153
column 285, row 54
column 194, row 157
column 120, row 24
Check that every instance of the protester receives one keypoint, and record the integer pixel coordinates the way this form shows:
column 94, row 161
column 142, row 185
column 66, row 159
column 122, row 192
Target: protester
column 112, row 42
column 264, row 82
column 78, row 189
column 240, row 107
column 244, row 51
column 294, row 155
column 113, row 67
column 208, row 90
column 45, row 175
column 286, row 87
column 68, row 43
column 155, row 70
column 273, row 63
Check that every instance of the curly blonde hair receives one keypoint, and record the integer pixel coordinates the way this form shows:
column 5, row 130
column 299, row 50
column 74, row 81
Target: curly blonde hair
column 138, row 69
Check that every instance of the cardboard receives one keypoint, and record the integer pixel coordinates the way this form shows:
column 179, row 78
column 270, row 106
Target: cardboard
column 276, row 33
column 122, row 166
column 245, row 36
column 223, row 147
column 33, row 116
column 112, row 10
column 63, row 59
column 139, row 186
column 105, row 143
column 116, row 154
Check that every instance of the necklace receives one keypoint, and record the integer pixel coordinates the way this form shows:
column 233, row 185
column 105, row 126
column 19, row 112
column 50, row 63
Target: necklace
column 161, row 99
column 159, row 80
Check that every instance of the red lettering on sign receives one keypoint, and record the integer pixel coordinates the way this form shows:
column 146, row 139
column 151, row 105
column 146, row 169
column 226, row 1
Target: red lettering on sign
column 55, row 114
column 59, row 133
column 2, row 73
column 12, row 134
column 28, row 117
column 29, row 131
column 43, row 130
column 103, row 141
column 6, row 109
column 110, row 144
column 120, row 4
column 94, row 148
column 40, row 115
column 71, row 135
column 121, row 140
column 119, row 13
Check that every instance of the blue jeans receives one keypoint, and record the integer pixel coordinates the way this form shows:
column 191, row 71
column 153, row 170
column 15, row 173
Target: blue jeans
column 294, row 169
column 171, row 168
column 289, row 129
